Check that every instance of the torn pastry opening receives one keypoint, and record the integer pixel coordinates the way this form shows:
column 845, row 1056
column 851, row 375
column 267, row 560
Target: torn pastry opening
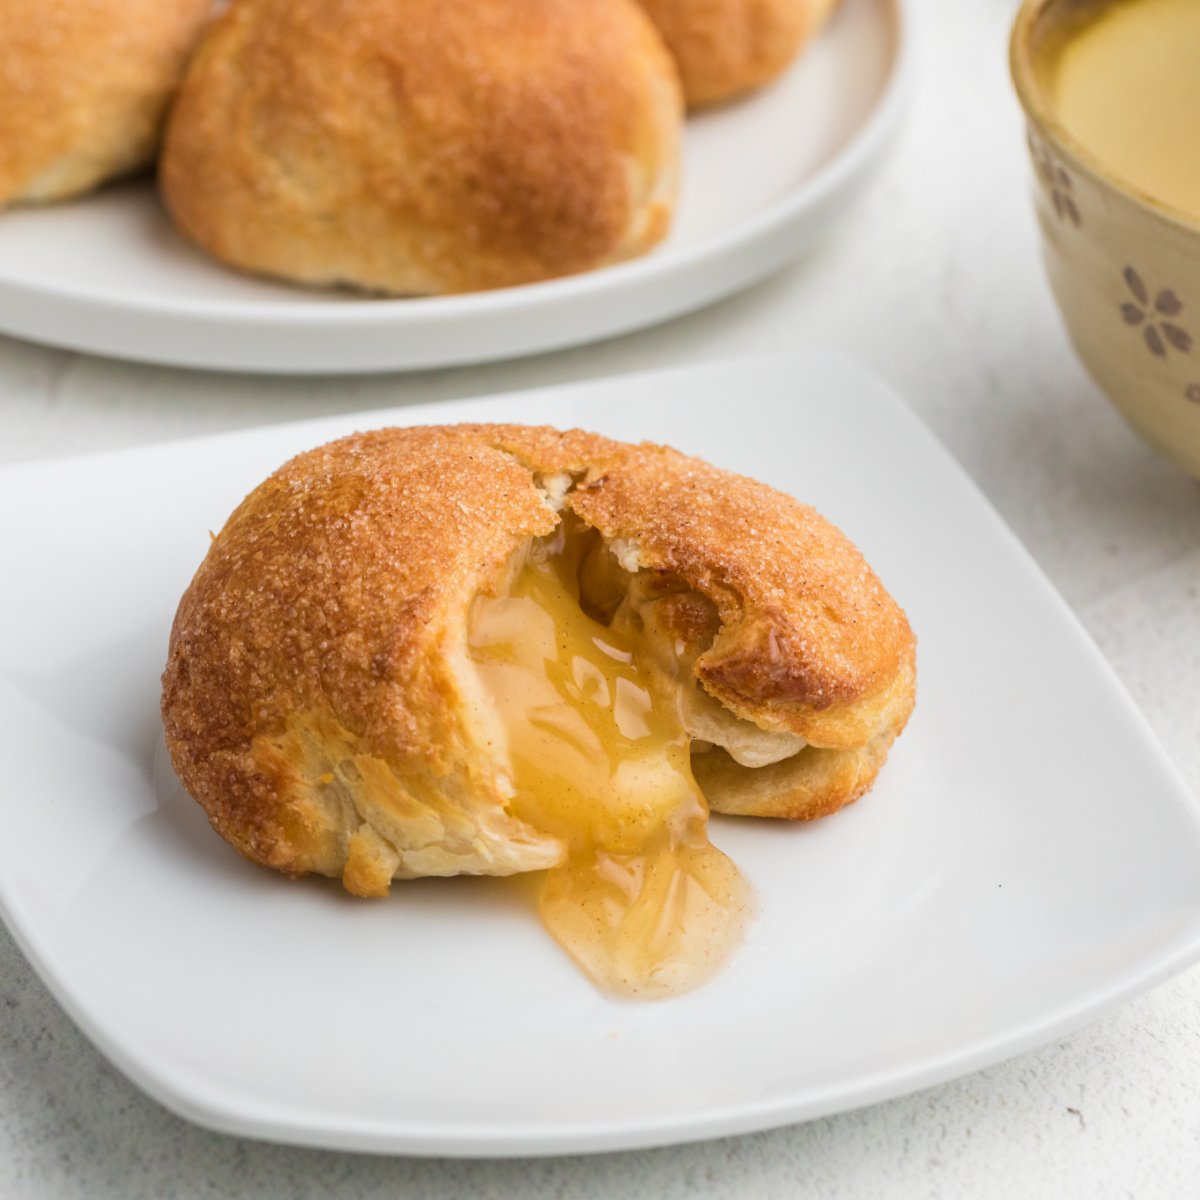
column 587, row 667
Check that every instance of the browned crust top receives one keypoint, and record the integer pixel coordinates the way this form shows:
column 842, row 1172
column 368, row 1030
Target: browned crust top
column 334, row 582
column 425, row 145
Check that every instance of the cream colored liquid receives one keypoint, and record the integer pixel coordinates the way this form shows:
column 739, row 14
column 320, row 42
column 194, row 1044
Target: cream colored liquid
column 644, row 903
column 1126, row 86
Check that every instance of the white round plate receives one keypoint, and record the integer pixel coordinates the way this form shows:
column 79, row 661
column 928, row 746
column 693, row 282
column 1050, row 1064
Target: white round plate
column 763, row 180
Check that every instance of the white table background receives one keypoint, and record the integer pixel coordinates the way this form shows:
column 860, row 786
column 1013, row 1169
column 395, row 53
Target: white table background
column 935, row 281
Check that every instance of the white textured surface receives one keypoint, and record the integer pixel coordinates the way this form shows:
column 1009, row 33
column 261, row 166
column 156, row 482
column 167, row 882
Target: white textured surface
column 935, row 281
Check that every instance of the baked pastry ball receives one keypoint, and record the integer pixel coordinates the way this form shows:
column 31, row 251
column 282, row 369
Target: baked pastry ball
column 726, row 47
column 498, row 649
column 425, row 146
column 84, row 87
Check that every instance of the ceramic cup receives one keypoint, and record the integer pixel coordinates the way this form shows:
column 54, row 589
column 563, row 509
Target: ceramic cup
column 1124, row 268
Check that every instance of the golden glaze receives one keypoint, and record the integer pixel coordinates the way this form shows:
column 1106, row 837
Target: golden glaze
column 724, row 48
column 84, row 87
column 642, row 901
column 425, row 146
column 321, row 703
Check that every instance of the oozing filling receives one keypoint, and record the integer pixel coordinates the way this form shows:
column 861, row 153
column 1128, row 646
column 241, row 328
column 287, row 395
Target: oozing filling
column 644, row 903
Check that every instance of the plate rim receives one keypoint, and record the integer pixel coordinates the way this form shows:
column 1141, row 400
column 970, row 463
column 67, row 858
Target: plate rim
column 221, row 1110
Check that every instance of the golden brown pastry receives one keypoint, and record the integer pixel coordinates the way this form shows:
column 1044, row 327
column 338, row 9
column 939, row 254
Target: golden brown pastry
column 497, row 649
column 425, row 146
column 726, row 47
column 84, row 87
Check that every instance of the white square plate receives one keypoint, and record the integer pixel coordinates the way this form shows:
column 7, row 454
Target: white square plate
column 1027, row 859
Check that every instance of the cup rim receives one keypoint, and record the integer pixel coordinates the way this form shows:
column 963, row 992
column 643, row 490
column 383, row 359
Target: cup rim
column 1039, row 111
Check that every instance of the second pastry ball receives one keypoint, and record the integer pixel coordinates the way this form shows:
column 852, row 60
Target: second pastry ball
column 425, row 146
column 727, row 47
